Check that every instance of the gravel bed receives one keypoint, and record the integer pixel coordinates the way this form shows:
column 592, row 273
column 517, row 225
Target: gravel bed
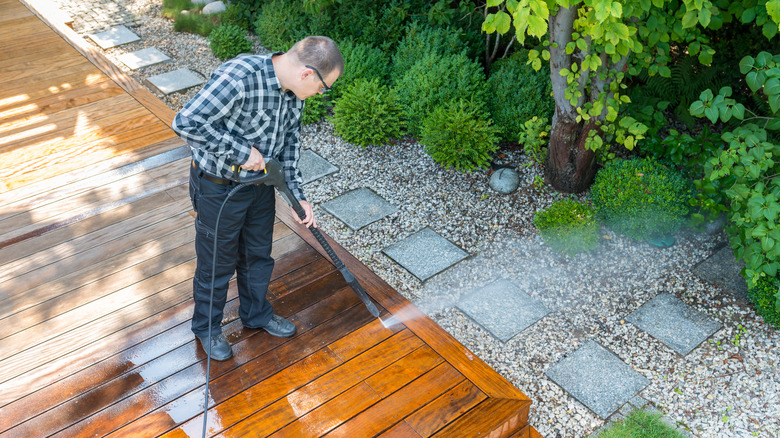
column 727, row 387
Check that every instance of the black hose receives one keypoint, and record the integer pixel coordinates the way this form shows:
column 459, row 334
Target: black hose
column 211, row 303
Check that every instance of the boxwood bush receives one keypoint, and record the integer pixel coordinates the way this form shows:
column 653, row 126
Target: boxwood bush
column 421, row 40
column 568, row 227
column 368, row 113
column 641, row 198
column 280, row 23
column 518, row 93
column 229, row 41
column 361, row 61
column 762, row 295
column 459, row 134
column 315, row 109
column 435, row 80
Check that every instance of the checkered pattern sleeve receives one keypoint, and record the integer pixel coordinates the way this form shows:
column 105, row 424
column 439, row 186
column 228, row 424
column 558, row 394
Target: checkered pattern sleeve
column 201, row 122
column 291, row 154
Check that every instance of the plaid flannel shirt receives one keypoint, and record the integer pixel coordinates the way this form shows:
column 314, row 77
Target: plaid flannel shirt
column 243, row 106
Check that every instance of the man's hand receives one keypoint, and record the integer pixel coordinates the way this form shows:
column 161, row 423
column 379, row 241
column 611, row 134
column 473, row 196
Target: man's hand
column 309, row 220
column 254, row 162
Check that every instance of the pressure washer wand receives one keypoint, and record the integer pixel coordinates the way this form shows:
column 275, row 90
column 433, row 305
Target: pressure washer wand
column 274, row 176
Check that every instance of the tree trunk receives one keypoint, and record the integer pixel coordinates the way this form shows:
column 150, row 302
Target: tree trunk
column 570, row 167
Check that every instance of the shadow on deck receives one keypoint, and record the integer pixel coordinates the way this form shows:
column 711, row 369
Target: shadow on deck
column 95, row 290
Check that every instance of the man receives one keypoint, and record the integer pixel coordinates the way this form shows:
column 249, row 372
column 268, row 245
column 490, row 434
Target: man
column 248, row 111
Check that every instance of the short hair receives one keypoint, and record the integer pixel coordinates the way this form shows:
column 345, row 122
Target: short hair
column 319, row 52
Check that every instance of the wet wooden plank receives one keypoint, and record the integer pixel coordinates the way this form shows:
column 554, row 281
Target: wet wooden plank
column 126, row 349
column 400, row 430
column 163, row 372
column 495, row 417
column 315, row 390
column 259, row 358
column 401, row 403
column 446, row 408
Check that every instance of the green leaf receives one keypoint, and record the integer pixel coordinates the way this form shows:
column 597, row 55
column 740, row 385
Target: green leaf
column 711, row 113
column 753, row 81
column 772, row 87
column 774, row 103
column 582, row 44
column 705, row 58
column 502, row 22
column 665, row 71
column 697, row 109
column 769, row 30
column 748, row 15
column 746, row 64
column 773, row 9
column 738, row 111
column 658, row 3
column 704, row 17
column 693, row 48
column 494, row 3
column 616, row 10
column 536, row 26
column 690, row 19
column 652, row 22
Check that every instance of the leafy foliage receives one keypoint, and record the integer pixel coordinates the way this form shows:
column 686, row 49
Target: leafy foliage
column 229, row 41
column 368, row 113
column 243, row 12
column 763, row 296
column 751, row 162
column 361, row 61
column 279, row 24
column 568, row 226
column 421, row 40
column 534, row 137
column 639, row 423
column 641, row 198
column 518, row 93
column 459, row 134
column 315, row 109
column 435, row 80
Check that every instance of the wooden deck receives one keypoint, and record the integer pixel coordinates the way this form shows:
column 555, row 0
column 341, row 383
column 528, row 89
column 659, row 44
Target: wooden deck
column 97, row 253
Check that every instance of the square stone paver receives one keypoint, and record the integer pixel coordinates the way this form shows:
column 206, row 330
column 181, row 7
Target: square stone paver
column 502, row 309
column 597, row 378
column 314, row 167
column 143, row 58
column 174, row 81
column 116, row 36
column 673, row 322
column 425, row 253
column 359, row 208
column 722, row 269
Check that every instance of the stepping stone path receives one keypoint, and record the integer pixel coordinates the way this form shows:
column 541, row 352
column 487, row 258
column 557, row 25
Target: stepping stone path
column 175, row 81
column 722, row 270
column 359, row 208
column 116, row 36
column 425, row 253
column 597, row 378
column 143, row 58
column 314, row 167
column 502, row 309
column 672, row 322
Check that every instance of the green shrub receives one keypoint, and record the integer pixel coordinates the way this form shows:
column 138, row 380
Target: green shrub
column 534, row 137
column 421, row 40
column 639, row 423
column 195, row 23
column 459, row 134
column 368, row 113
column 237, row 14
column 518, row 93
column 379, row 23
column 764, row 297
column 280, row 23
column 229, row 41
column 435, row 80
column 361, row 61
column 314, row 110
column 568, row 226
column 641, row 198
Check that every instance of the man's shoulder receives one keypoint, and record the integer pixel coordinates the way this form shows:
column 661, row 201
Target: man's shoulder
column 245, row 65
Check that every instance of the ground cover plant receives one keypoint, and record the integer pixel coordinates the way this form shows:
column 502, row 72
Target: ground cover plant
column 568, row 226
column 639, row 424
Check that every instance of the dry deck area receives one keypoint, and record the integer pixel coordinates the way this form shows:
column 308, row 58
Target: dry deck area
column 97, row 253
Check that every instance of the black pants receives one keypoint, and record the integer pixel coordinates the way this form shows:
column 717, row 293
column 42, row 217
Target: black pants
column 243, row 247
